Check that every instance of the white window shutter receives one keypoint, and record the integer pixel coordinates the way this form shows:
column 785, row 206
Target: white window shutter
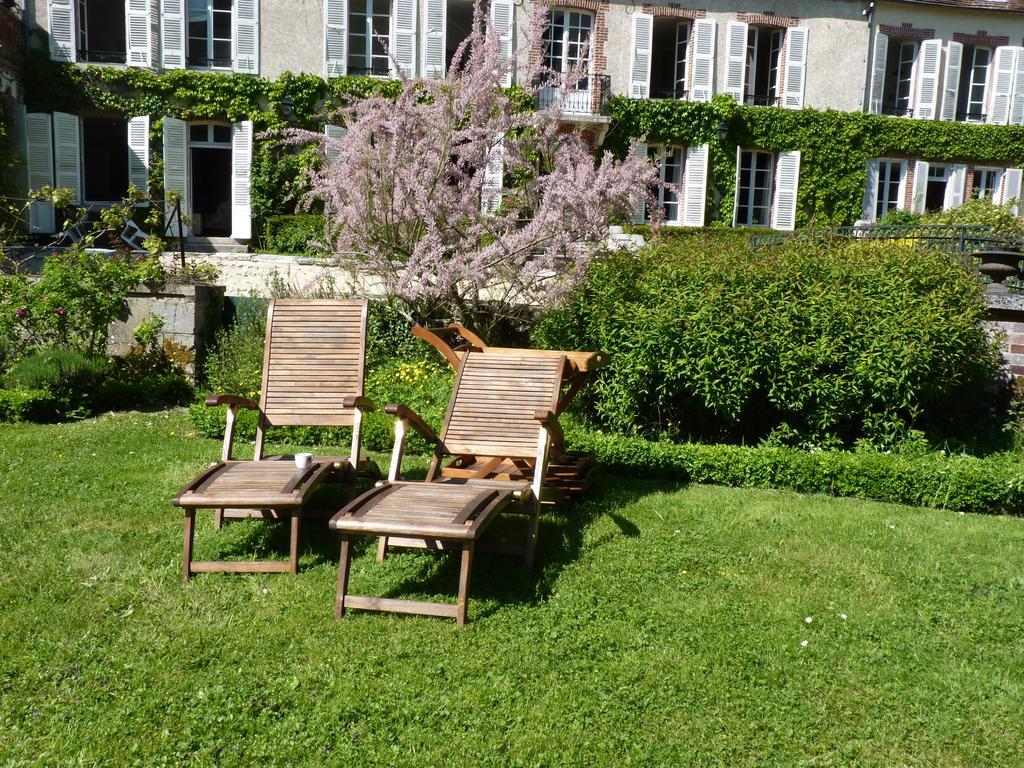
column 333, row 132
column 335, row 38
column 640, row 71
column 176, row 167
column 172, row 34
column 67, row 154
column 494, row 179
column 787, row 180
column 138, row 153
column 878, row 67
column 1010, row 186
column 63, row 30
column 736, row 187
column 695, row 181
column 39, row 159
column 929, row 60
column 1004, row 67
column 434, row 53
column 951, row 80
column 736, row 60
column 501, row 21
column 137, row 25
column 701, row 77
column 955, row 187
column 246, row 22
column 796, row 68
column 241, row 163
column 403, row 38
column 870, row 192
column 17, row 117
column 920, row 187
column 1017, row 101
column 640, row 203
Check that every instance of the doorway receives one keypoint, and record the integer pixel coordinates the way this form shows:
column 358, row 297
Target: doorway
column 210, row 173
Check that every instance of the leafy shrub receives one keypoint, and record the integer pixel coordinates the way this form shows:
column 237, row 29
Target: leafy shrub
column 826, row 342
column 981, row 213
column 21, row 404
column 80, row 294
column 959, row 482
column 65, row 373
column 294, row 233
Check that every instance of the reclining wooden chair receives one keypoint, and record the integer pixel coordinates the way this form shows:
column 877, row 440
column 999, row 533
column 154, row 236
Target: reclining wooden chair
column 312, row 376
column 569, row 473
column 502, row 407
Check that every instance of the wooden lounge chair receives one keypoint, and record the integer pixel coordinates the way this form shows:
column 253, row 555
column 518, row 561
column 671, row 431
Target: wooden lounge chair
column 312, row 376
column 568, row 473
column 502, row 407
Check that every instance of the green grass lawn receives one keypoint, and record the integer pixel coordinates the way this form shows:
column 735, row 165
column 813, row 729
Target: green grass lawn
column 664, row 625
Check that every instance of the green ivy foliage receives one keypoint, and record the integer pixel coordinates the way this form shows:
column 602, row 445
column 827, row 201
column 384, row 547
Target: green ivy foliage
column 835, row 146
column 278, row 168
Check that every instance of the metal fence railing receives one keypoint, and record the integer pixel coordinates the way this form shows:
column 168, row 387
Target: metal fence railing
column 959, row 241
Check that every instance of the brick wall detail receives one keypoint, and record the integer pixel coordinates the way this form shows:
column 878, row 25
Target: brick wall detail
column 672, row 11
column 768, row 20
column 907, row 31
column 981, row 37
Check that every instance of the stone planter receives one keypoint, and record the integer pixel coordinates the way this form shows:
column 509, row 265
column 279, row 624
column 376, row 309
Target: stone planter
column 191, row 315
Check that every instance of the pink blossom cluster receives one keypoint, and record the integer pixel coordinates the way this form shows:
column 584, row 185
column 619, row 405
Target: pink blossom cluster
column 409, row 200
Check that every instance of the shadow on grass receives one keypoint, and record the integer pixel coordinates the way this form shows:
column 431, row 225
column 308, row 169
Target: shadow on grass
column 502, row 580
column 497, row 579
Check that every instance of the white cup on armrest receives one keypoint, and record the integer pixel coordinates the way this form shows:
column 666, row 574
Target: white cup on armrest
column 302, row 460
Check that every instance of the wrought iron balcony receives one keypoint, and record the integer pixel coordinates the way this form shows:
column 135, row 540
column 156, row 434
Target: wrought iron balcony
column 590, row 95
column 762, row 100
column 891, row 109
column 669, row 93
column 93, row 56
column 378, row 71
column 973, row 116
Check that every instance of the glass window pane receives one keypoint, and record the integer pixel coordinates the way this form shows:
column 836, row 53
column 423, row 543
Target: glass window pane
column 197, row 133
column 222, row 52
column 222, row 134
column 222, row 26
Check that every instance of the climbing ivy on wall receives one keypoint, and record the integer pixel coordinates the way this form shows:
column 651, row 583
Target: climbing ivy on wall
column 835, row 146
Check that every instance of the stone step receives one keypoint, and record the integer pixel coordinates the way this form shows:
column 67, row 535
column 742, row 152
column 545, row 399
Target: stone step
column 197, row 244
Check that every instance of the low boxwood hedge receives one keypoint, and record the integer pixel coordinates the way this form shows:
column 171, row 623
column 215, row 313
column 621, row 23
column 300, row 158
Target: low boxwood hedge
column 958, row 482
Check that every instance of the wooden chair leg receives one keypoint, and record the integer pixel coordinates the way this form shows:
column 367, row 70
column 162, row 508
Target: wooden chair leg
column 186, row 550
column 293, row 557
column 382, row 548
column 343, row 565
column 218, row 518
column 464, row 568
column 531, row 535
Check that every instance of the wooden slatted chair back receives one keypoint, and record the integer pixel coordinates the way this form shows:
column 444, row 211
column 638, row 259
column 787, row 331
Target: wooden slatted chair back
column 314, row 358
column 494, row 400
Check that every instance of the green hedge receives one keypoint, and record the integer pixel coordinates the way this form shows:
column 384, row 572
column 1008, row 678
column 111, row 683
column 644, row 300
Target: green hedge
column 959, row 482
column 814, row 343
column 293, row 233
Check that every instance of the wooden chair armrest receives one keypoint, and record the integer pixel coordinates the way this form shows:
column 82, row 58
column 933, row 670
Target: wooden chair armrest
column 233, row 400
column 414, row 420
column 550, row 421
column 359, row 401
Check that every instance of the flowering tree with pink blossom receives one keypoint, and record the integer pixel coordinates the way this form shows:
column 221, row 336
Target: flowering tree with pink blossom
column 411, row 201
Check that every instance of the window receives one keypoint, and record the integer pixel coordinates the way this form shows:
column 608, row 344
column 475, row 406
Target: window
column 104, row 159
column 670, row 182
column 369, row 33
column 669, row 57
column 754, row 189
column 101, row 31
column 905, row 77
column 935, row 189
column 566, row 47
column 899, row 85
column 209, row 33
column 889, row 189
column 985, row 183
column 764, row 47
column 975, row 65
